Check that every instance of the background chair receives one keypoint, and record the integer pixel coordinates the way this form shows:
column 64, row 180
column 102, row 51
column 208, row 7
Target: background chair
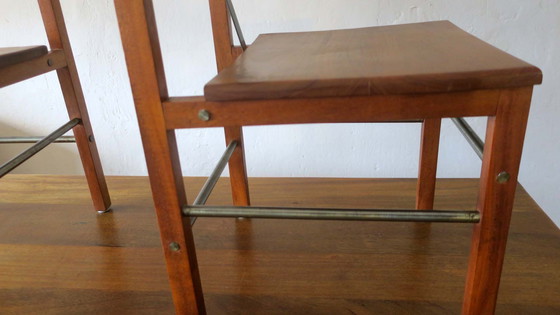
column 416, row 72
column 21, row 63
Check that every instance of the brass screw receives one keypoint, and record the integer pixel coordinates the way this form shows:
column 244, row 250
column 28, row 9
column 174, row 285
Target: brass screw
column 174, row 246
column 204, row 115
column 503, row 177
column 49, row 62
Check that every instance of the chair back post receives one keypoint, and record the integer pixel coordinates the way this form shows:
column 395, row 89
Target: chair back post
column 226, row 54
column 145, row 67
column 221, row 30
column 57, row 34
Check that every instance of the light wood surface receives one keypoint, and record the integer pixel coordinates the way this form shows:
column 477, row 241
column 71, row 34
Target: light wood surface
column 430, row 57
column 13, row 55
column 59, row 257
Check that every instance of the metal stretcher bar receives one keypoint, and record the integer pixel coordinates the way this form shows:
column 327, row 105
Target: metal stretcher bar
column 14, row 140
column 333, row 214
column 25, row 155
column 213, row 178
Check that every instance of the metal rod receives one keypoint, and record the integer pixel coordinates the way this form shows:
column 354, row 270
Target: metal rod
column 14, row 140
column 472, row 138
column 25, row 155
column 213, row 178
column 236, row 24
column 332, row 214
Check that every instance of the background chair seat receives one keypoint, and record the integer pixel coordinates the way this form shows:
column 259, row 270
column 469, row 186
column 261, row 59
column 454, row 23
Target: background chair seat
column 14, row 55
column 432, row 57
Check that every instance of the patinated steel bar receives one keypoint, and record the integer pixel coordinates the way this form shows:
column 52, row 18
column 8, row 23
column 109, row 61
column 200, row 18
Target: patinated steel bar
column 19, row 140
column 213, row 178
column 332, row 214
column 236, row 24
column 27, row 154
column 472, row 138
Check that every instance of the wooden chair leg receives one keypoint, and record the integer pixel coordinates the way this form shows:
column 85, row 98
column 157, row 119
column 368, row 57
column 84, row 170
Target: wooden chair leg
column 237, row 168
column 500, row 166
column 176, row 231
column 53, row 19
column 429, row 148
column 145, row 69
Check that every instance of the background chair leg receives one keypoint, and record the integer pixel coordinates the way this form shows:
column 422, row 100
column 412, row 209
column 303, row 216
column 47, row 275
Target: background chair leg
column 500, row 166
column 92, row 166
column 55, row 27
column 238, row 168
column 429, row 148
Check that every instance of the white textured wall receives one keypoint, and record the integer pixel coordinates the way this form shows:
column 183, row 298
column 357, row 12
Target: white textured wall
column 527, row 29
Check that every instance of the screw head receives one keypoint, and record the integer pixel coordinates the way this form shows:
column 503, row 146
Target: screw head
column 503, row 177
column 91, row 138
column 174, row 246
column 49, row 62
column 204, row 115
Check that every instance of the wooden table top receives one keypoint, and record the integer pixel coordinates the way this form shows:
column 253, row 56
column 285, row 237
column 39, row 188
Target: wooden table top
column 57, row 256
column 426, row 57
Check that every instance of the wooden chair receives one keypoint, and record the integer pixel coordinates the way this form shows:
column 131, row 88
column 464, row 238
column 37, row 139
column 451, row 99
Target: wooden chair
column 21, row 63
column 416, row 72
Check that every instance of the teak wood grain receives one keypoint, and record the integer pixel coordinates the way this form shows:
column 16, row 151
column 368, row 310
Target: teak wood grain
column 427, row 170
column 423, row 71
column 57, row 257
column 431, row 57
column 18, row 72
column 55, row 27
column 146, row 72
column 22, row 63
column 182, row 112
column 238, row 167
column 225, row 56
column 502, row 153
column 13, row 55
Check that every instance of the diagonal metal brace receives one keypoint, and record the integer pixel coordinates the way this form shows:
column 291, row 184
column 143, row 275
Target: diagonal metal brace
column 36, row 148
column 213, row 178
column 236, row 24
column 472, row 138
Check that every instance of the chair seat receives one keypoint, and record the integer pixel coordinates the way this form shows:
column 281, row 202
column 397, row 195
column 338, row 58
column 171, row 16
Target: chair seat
column 430, row 57
column 14, row 55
